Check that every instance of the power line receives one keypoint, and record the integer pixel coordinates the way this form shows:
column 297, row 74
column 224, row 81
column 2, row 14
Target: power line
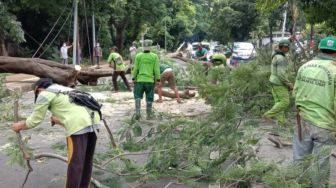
column 87, row 33
column 49, row 32
column 56, row 35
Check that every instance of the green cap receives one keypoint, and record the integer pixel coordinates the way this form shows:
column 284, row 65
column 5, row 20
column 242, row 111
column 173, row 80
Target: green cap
column 328, row 43
column 284, row 43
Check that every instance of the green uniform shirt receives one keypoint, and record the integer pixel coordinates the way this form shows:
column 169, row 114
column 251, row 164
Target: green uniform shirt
column 201, row 53
column 218, row 59
column 72, row 116
column 314, row 91
column 163, row 67
column 117, row 59
column 146, row 67
column 279, row 70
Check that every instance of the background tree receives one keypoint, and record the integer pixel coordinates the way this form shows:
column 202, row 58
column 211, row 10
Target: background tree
column 10, row 28
column 233, row 20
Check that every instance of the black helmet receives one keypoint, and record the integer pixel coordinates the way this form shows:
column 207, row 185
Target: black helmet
column 42, row 83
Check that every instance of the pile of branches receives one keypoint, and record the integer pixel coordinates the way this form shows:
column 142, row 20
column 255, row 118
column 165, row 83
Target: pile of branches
column 217, row 147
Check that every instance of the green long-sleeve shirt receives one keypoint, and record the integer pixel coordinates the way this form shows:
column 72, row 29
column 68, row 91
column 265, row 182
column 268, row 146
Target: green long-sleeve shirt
column 314, row 91
column 72, row 116
column 279, row 70
column 146, row 67
column 117, row 60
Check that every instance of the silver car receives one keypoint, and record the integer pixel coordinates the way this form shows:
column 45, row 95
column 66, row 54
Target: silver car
column 243, row 50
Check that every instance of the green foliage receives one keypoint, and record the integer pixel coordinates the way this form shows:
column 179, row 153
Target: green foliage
column 3, row 91
column 269, row 5
column 233, row 20
column 12, row 150
column 10, row 27
column 240, row 91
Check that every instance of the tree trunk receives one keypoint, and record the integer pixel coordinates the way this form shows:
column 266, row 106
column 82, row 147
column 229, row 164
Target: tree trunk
column 271, row 34
column 90, row 76
column 62, row 74
column 120, row 37
column 183, row 94
column 3, row 51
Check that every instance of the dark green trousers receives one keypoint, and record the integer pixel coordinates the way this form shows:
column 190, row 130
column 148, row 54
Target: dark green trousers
column 144, row 87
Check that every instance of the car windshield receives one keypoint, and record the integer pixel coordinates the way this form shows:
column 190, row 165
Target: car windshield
column 242, row 46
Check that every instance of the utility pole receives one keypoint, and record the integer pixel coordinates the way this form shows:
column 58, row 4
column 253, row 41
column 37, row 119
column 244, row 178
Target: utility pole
column 75, row 29
column 284, row 22
column 93, row 27
column 166, row 34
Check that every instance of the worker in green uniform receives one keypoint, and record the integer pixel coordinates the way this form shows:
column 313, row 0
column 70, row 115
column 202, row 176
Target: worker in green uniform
column 80, row 124
column 217, row 62
column 315, row 99
column 145, row 74
column 281, row 86
column 218, row 59
column 119, row 69
column 167, row 74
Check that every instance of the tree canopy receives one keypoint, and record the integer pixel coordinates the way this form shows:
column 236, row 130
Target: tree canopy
column 170, row 22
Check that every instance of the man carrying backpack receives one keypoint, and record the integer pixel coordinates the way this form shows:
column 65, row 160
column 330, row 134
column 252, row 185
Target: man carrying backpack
column 119, row 68
column 80, row 124
column 280, row 83
column 145, row 73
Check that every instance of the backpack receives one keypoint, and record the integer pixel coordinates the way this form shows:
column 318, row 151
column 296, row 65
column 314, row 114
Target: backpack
column 84, row 99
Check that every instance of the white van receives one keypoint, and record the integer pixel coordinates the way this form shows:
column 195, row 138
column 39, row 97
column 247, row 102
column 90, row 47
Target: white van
column 276, row 36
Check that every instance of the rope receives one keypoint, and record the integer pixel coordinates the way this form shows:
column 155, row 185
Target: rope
column 87, row 33
column 49, row 32
column 56, row 35
column 37, row 42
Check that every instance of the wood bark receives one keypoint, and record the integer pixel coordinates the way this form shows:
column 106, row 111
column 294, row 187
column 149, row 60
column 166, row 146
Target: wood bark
column 3, row 50
column 178, row 55
column 183, row 94
column 90, row 76
column 62, row 74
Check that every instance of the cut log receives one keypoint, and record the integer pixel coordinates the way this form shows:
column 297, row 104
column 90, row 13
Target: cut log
column 90, row 76
column 183, row 94
column 62, row 74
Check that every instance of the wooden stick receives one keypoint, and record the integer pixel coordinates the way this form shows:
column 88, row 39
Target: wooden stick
column 20, row 142
column 110, row 134
column 278, row 143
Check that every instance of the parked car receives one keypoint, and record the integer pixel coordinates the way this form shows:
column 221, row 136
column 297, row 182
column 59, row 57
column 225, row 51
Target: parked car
column 243, row 50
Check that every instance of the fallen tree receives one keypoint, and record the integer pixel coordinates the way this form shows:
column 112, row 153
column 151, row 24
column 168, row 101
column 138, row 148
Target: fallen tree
column 61, row 74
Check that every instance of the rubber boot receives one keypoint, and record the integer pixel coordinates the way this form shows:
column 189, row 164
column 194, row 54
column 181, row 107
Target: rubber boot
column 137, row 109
column 149, row 111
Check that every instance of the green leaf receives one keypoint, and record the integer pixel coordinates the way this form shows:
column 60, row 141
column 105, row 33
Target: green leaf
column 137, row 130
